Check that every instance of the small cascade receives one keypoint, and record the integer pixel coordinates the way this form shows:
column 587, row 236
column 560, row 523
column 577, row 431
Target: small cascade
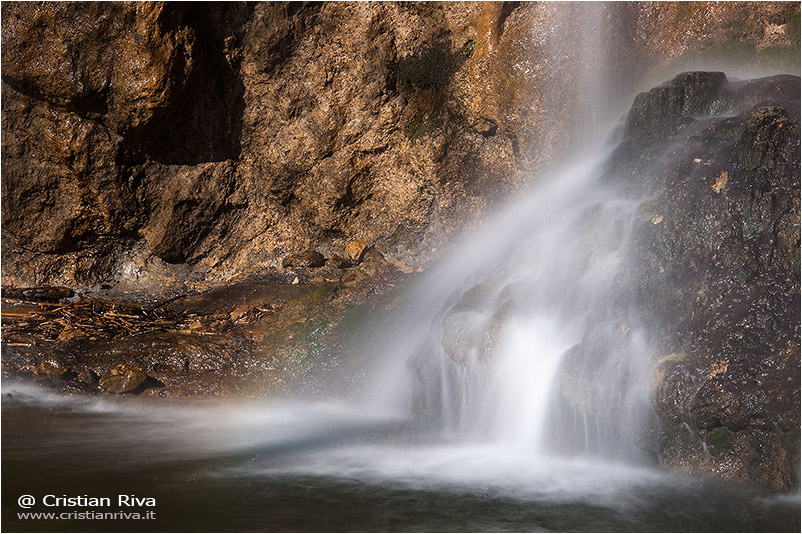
column 525, row 338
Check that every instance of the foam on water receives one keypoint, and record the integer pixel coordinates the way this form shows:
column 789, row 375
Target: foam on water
column 321, row 439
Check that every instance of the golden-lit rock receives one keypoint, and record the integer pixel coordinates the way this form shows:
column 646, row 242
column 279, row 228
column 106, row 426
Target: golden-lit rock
column 404, row 267
column 354, row 251
column 198, row 144
column 122, row 378
column 51, row 368
column 310, row 258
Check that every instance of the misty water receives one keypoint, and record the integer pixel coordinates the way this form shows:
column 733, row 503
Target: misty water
column 479, row 347
column 481, row 413
column 506, row 393
column 293, row 466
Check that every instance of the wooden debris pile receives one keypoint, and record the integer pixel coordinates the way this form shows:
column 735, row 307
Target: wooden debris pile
column 34, row 315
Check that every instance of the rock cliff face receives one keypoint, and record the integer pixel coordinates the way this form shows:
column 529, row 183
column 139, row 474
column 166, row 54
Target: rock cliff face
column 715, row 266
column 152, row 145
column 156, row 146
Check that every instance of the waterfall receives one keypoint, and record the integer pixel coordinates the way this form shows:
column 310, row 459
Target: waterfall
column 524, row 336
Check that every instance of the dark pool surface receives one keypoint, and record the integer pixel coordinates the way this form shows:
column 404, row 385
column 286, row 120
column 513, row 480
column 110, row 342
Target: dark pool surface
column 278, row 467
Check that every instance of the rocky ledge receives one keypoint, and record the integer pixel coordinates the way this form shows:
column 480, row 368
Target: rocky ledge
column 253, row 338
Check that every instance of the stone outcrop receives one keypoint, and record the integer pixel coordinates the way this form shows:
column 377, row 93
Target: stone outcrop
column 122, row 378
column 715, row 265
column 160, row 144
column 253, row 338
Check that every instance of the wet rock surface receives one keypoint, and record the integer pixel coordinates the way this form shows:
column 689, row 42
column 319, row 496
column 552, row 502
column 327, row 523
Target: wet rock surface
column 254, row 338
column 151, row 147
column 122, row 378
column 716, row 267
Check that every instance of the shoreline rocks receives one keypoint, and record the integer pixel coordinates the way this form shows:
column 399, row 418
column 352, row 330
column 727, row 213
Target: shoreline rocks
column 253, row 338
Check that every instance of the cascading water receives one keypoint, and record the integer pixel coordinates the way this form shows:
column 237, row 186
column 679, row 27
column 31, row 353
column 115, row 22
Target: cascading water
column 524, row 337
column 510, row 391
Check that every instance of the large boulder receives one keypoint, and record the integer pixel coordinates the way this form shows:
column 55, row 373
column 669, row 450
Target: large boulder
column 715, row 263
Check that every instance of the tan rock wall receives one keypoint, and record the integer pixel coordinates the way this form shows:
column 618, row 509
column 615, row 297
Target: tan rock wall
column 183, row 142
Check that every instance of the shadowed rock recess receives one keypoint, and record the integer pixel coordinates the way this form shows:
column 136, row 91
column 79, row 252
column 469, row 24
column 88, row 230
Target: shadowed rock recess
column 153, row 150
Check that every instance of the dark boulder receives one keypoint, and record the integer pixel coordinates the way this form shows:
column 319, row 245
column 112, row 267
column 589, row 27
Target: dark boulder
column 715, row 264
column 689, row 93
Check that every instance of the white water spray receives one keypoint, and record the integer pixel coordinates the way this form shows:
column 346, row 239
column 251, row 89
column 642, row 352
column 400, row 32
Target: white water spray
column 524, row 338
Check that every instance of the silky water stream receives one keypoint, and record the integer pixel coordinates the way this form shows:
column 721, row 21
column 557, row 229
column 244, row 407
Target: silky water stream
column 508, row 395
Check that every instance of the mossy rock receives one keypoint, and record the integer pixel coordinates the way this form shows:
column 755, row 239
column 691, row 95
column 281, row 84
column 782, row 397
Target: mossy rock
column 720, row 438
column 313, row 303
